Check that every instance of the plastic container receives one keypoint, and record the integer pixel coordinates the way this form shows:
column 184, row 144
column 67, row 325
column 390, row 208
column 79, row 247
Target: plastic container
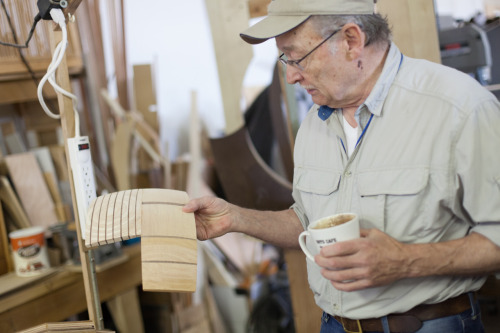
column 29, row 251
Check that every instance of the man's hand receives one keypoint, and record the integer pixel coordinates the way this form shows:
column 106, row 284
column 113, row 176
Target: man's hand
column 373, row 260
column 212, row 216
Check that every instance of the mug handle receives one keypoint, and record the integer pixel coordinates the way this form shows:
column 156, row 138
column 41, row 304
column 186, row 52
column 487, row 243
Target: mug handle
column 302, row 243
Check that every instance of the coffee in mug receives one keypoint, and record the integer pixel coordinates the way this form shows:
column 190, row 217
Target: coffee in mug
column 330, row 230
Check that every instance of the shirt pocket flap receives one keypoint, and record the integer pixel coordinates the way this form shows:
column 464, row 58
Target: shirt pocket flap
column 393, row 182
column 321, row 182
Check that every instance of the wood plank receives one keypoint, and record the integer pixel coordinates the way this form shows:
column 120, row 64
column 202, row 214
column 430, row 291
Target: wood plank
column 145, row 94
column 227, row 18
column 117, row 28
column 120, row 154
column 68, row 131
column 414, row 27
column 33, row 192
column 306, row 313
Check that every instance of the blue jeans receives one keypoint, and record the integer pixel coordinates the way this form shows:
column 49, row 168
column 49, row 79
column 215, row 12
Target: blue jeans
column 466, row 322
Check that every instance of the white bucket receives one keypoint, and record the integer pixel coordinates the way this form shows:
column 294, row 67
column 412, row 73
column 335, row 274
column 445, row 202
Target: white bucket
column 29, row 251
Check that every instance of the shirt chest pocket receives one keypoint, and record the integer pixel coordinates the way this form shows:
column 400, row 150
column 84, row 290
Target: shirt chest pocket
column 394, row 200
column 317, row 190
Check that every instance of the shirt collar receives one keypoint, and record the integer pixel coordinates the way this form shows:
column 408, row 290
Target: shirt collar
column 375, row 100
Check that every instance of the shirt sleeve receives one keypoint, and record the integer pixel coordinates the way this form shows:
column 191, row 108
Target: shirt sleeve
column 477, row 181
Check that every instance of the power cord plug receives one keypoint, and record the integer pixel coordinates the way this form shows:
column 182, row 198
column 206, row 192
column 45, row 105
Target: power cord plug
column 44, row 7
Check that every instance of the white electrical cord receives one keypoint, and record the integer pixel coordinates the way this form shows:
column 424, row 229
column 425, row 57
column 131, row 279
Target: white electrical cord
column 58, row 17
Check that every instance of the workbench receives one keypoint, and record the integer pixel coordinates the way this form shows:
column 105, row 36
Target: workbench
column 61, row 294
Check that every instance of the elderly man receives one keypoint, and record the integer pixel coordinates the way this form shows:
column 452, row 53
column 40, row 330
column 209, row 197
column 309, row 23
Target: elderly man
column 409, row 145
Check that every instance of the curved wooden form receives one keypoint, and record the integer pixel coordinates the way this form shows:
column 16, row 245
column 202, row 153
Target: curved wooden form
column 246, row 179
column 168, row 244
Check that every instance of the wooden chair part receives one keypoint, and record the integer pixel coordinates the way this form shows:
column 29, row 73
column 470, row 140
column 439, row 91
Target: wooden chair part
column 168, row 244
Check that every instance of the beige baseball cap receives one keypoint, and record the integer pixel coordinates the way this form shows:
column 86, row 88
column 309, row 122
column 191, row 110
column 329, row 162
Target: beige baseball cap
column 284, row 15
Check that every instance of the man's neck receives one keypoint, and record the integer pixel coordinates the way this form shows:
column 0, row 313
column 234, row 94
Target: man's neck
column 372, row 66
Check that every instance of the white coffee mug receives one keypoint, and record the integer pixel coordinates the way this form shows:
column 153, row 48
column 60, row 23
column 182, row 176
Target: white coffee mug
column 330, row 230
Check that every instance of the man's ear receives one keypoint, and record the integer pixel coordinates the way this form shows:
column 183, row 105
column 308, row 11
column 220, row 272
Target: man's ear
column 355, row 39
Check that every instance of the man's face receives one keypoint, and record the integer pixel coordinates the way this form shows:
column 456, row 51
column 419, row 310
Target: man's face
column 325, row 74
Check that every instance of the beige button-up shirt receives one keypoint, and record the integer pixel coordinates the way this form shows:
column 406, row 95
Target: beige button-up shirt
column 427, row 169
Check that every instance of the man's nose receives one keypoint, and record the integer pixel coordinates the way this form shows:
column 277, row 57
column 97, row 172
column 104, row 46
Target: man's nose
column 293, row 74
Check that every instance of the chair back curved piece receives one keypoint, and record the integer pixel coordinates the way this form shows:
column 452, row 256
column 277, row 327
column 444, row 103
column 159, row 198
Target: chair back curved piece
column 168, row 235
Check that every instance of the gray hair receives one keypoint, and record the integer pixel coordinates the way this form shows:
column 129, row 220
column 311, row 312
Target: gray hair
column 375, row 26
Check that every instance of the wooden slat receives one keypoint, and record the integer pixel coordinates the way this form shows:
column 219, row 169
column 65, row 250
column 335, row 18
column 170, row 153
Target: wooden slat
column 117, row 29
column 33, row 192
column 120, row 154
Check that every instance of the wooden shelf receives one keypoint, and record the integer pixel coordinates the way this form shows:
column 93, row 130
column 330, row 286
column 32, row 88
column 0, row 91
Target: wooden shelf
column 61, row 294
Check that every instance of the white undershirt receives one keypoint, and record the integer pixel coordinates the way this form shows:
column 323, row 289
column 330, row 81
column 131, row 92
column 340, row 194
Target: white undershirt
column 351, row 136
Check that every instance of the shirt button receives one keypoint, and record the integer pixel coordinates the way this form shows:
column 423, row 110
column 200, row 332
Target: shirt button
column 335, row 306
column 348, row 174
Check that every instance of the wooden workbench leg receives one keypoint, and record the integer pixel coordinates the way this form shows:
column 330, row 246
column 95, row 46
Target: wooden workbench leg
column 126, row 312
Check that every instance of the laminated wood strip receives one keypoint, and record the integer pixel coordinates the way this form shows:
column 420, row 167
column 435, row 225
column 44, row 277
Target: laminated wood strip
column 125, row 219
column 117, row 217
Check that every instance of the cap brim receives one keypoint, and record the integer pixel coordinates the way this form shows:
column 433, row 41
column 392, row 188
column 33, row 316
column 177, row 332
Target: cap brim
column 271, row 27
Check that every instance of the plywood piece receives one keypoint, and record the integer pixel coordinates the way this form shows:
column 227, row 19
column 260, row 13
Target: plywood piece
column 414, row 27
column 33, row 192
column 168, row 245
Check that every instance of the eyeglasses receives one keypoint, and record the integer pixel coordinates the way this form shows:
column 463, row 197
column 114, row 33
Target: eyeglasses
column 296, row 63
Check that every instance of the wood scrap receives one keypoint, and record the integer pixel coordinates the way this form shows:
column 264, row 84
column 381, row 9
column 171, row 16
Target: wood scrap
column 33, row 192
